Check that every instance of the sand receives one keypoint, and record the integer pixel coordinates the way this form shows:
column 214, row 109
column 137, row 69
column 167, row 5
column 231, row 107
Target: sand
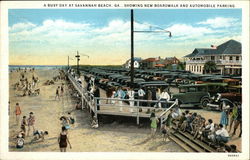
column 109, row 137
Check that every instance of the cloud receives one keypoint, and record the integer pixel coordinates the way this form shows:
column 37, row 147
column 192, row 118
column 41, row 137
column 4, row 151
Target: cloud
column 186, row 30
column 63, row 37
column 21, row 26
column 219, row 22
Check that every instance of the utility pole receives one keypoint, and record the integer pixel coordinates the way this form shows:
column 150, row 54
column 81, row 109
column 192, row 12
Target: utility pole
column 68, row 62
column 132, row 50
column 78, row 59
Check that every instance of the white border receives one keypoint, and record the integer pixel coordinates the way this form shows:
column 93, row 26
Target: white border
column 4, row 154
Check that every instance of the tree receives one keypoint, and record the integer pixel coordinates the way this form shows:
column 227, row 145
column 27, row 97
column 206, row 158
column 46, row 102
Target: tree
column 210, row 67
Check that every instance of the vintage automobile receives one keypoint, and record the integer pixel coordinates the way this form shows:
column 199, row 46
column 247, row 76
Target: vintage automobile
column 232, row 95
column 197, row 94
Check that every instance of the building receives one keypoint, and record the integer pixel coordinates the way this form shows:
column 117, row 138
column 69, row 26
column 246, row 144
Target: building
column 137, row 61
column 171, row 60
column 152, row 63
column 226, row 56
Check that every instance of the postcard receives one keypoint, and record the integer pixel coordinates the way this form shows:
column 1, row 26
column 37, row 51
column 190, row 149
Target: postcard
column 124, row 80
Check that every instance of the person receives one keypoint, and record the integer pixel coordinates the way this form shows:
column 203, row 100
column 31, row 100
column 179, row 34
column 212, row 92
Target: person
column 63, row 140
column 224, row 118
column 65, row 122
column 154, row 120
column 149, row 98
column 164, row 132
column 233, row 116
column 20, row 140
column 121, row 95
column 18, row 113
column 62, row 89
column 79, row 80
column 39, row 134
column 94, row 123
column 209, row 127
column 97, row 95
column 31, row 122
column 78, row 105
column 164, row 98
column 233, row 148
column 71, row 119
column 154, row 98
column 131, row 94
column 141, row 95
column 57, row 93
column 238, row 120
column 24, row 124
column 221, row 135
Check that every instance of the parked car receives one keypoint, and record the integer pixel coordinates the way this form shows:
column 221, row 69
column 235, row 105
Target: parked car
column 233, row 94
column 197, row 94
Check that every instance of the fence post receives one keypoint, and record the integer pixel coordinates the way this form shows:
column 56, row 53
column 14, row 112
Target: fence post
column 138, row 118
column 82, row 102
column 95, row 106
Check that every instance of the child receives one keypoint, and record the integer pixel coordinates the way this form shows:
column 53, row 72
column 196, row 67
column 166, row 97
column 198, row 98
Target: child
column 94, row 123
column 154, row 121
column 71, row 119
column 164, row 132
column 39, row 134
column 65, row 122
column 20, row 140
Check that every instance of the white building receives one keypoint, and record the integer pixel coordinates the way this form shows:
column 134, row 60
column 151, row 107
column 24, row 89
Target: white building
column 226, row 56
column 137, row 61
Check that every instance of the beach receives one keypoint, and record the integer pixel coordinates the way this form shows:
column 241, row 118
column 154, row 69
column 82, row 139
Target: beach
column 109, row 137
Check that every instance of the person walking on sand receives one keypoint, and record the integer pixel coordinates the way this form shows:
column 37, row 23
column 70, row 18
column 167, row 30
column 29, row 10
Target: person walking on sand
column 154, row 120
column 62, row 89
column 63, row 140
column 57, row 93
column 18, row 113
column 24, row 124
column 31, row 122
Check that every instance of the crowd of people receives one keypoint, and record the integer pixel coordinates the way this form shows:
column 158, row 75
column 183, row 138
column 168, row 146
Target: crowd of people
column 28, row 87
column 24, row 132
column 207, row 130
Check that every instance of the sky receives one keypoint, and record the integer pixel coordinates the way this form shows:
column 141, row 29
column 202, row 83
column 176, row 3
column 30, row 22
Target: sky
column 49, row 36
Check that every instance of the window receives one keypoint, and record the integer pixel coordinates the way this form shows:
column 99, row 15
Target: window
column 200, row 68
column 237, row 58
column 191, row 89
column 183, row 90
column 220, row 57
column 231, row 58
column 212, row 58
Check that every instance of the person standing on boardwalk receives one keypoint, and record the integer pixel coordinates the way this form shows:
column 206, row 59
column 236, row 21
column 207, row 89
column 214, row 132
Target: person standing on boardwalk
column 57, row 93
column 224, row 116
column 131, row 94
column 18, row 113
column 121, row 95
column 31, row 122
column 63, row 140
column 97, row 95
column 141, row 94
column 154, row 120
column 149, row 98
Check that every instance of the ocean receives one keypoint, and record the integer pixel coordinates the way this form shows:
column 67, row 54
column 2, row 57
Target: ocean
column 13, row 67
